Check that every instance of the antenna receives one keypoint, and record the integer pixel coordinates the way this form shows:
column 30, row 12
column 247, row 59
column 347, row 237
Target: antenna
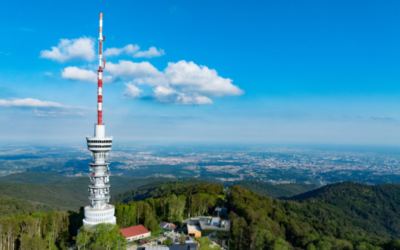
column 100, row 75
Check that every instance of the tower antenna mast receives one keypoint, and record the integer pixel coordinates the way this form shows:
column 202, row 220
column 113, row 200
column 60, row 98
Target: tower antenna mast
column 100, row 75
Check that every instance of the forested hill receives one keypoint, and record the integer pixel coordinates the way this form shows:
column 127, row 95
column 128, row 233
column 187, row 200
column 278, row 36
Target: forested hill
column 277, row 191
column 35, row 177
column 377, row 204
column 12, row 207
column 260, row 222
column 67, row 193
column 333, row 193
column 153, row 190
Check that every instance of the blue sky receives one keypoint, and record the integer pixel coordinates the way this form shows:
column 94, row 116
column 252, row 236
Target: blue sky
column 203, row 71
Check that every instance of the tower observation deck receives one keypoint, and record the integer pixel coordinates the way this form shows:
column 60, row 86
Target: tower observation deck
column 99, row 210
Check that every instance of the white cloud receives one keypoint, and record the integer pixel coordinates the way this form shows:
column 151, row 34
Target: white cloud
column 83, row 75
column 169, row 95
column 81, row 49
column 180, row 83
column 189, row 77
column 152, row 52
column 48, row 73
column 128, row 69
column 29, row 102
column 128, row 49
column 43, row 108
column 131, row 91
column 133, row 49
column 77, row 74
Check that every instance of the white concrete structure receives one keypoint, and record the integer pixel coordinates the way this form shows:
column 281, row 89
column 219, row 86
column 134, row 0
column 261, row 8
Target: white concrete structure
column 99, row 192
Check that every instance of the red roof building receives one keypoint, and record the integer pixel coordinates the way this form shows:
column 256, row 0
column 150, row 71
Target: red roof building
column 135, row 232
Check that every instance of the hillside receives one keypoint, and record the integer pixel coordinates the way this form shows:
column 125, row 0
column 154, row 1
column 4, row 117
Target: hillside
column 276, row 191
column 12, row 207
column 376, row 207
column 154, row 190
column 67, row 193
column 261, row 222
column 34, row 177
column 258, row 221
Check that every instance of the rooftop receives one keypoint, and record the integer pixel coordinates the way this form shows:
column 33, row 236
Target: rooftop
column 190, row 246
column 133, row 231
column 167, row 225
column 193, row 228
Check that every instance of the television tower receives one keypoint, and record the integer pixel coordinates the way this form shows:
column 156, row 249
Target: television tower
column 99, row 192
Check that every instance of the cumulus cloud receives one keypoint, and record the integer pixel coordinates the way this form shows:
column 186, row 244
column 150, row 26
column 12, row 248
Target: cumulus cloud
column 131, row 91
column 128, row 69
column 133, row 49
column 128, row 49
column 83, row 75
column 77, row 74
column 152, row 52
column 180, row 83
column 169, row 95
column 81, row 49
column 189, row 77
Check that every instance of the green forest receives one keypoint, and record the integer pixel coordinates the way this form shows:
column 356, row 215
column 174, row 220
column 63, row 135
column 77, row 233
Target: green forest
column 39, row 231
column 339, row 216
column 173, row 203
column 261, row 222
column 277, row 191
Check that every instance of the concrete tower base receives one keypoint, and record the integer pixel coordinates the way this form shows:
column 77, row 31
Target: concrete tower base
column 96, row 216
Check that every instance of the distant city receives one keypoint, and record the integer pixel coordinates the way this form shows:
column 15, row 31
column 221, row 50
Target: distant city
column 274, row 165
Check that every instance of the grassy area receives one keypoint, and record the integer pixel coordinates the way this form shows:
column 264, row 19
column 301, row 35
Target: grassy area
column 205, row 244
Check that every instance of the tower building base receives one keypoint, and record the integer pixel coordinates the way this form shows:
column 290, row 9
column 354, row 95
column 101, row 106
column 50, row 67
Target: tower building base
column 96, row 216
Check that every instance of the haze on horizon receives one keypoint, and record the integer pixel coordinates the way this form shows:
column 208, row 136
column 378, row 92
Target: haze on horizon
column 226, row 71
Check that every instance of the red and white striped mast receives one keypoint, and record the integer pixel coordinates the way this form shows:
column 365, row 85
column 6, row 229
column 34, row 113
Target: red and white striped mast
column 100, row 75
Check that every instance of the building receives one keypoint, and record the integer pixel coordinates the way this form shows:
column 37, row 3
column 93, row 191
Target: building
column 190, row 246
column 167, row 226
column 193, row 230
column 99, row 210
column 202, row 223
column 135, row 233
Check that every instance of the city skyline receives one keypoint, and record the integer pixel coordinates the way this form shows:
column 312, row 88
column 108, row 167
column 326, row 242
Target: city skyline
column 221, row 72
